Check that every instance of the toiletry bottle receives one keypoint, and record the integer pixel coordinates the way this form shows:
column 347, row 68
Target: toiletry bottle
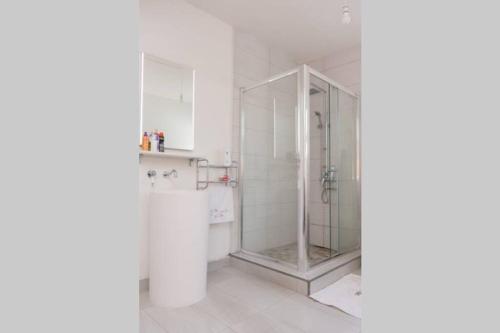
column 154, row 142
column 145, row 141
column 227, row 158
column 161, row 142
column 149, row 142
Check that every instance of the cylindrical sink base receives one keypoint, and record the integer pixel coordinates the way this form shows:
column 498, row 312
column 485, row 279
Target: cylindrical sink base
column 178, row 248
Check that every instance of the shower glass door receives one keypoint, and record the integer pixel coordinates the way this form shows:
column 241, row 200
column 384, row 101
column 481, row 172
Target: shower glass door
column 334, row 208
column 346, row 226
column 269, row 195
column 323, row 198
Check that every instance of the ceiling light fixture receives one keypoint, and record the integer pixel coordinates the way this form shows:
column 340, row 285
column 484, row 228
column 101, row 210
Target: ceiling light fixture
column 346, row 13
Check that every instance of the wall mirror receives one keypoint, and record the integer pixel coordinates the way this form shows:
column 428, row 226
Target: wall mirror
column 168, row 101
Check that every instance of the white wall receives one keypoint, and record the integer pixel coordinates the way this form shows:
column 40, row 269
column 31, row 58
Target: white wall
column 180, row 33
column 343, row 67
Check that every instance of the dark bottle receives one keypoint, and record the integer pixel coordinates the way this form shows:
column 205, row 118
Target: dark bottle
column 161, row 142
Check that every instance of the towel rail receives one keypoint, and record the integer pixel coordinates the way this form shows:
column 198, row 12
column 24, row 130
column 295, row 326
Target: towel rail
column 229, row 178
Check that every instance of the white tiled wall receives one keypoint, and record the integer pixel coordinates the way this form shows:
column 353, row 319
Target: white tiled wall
column 343, row 67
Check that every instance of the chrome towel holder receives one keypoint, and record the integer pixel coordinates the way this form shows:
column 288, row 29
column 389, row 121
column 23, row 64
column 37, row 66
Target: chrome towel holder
column 230, row 173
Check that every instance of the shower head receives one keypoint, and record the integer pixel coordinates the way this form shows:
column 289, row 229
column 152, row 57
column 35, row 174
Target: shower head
column 313, row 91
column 320, row 123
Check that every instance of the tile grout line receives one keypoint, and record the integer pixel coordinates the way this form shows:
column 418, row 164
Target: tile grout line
column 155, row 321
column 279, row 320
column 233, row 298
column 196, row 310
column 215, row 318
column 256, row 310
column 262, row 313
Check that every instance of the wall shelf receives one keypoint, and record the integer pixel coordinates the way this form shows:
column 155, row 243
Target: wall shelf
column 168, row 154
column 202, row 163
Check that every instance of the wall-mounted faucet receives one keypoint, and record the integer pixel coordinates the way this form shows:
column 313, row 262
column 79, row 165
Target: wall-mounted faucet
column 152, row 176
column 172, row 172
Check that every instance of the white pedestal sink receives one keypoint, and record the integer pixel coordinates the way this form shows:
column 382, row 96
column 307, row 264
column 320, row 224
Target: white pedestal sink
column 178, row 247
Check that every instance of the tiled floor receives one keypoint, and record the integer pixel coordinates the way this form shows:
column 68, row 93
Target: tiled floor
column 289, row 253
column 237, row 302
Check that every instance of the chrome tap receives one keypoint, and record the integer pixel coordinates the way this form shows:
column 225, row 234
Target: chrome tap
column 152, row 176
column 327, row 180
column 172, row 172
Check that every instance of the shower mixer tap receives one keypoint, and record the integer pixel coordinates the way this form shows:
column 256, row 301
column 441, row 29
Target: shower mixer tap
column 328, row 176
column 327, row 180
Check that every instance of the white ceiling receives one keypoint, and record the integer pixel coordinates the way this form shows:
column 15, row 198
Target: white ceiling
column 307, row 29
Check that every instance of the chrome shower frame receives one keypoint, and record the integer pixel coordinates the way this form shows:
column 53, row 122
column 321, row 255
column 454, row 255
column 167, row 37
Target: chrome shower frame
column 303, row 73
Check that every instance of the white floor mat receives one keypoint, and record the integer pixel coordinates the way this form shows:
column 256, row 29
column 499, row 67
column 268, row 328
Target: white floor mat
column 344, row 294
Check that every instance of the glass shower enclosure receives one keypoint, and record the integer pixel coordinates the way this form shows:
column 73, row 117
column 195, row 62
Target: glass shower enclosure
column 299, row 169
